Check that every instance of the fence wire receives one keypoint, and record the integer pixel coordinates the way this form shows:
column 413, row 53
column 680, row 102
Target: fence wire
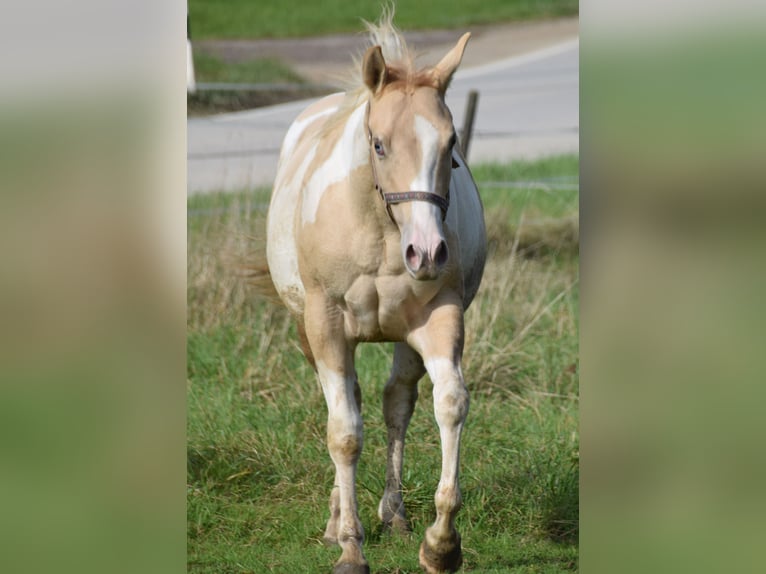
column 548, row 184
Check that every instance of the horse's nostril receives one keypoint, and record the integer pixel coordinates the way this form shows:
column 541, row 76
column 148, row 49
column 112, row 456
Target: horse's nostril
column 441, row 254
column 413, row 257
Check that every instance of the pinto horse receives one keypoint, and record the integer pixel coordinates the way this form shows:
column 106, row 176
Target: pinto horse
column 376, row 232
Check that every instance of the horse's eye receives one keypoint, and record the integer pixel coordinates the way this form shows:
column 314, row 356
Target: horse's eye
column 379, row 149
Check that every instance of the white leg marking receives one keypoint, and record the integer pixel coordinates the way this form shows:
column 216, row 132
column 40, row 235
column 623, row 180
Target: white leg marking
column 451, row 408
column 344, row 441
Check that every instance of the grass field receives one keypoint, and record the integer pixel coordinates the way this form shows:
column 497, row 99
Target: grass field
column 244, row 19
column 208, row 68
column 259, row 475
column 278, row 18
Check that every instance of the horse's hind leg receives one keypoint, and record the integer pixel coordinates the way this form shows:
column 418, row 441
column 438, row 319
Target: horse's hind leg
column 305, row 347
column 399, row 398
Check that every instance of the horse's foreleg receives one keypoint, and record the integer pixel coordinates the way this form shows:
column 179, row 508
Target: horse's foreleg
column 441, row 551
column 335, row 368
column 331, row 531
column 441, row 345
column 344, row 441
column 399, row 398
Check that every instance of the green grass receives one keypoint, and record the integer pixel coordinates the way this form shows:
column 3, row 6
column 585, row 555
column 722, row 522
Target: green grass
column 277, row 18
column 259, row 475
column 208, row 68
column 524, row 200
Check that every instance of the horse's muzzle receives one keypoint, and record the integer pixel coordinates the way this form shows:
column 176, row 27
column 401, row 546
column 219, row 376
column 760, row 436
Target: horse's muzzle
column 426, row 264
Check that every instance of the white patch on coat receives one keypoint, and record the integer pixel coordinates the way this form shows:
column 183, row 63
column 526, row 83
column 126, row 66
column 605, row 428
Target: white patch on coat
column 299, row 126
column 281, row 248
column 349, row 153
column 341, row 404
column 451, row 408
column 441, row 369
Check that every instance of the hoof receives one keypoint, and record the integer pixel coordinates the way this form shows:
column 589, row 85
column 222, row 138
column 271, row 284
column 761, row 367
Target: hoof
column 398, row 525
column 348, row 568
column 449, row 560
column 391, row 514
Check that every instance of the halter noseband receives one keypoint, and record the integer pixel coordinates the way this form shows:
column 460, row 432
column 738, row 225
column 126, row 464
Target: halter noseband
column 390, row 199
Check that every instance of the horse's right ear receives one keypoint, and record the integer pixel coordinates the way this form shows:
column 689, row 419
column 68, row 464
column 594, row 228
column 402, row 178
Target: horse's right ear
column 374, row 69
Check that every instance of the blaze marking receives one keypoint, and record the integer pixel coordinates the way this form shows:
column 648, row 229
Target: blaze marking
column 428, row 136
column 425, row 228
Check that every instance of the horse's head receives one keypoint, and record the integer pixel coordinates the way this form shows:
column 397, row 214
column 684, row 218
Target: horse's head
column 411, row 137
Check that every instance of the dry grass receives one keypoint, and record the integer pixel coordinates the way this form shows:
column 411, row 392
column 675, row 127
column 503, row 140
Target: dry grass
column 526, row 294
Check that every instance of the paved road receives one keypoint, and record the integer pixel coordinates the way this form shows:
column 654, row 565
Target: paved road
column 528, row 108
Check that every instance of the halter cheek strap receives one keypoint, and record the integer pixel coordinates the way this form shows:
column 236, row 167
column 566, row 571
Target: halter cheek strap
column 390, row 199
column 403, row 196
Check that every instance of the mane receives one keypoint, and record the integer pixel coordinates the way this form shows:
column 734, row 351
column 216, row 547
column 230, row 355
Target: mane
column 400, row 64
column 392, row 43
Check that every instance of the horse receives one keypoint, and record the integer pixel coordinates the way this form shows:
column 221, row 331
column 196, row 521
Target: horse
column 375, row 232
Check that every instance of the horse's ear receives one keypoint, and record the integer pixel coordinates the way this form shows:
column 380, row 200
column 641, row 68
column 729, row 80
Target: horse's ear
column 374, row 69
column 444, row 70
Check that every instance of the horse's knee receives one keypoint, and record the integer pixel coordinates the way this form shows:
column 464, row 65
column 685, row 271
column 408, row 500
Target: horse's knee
column 450, row 394
column 344, row 440
column 344, row 428
column 345, row 447
column 451, row 403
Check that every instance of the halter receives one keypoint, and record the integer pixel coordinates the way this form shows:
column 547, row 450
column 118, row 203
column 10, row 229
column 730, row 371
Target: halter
column 390, row 199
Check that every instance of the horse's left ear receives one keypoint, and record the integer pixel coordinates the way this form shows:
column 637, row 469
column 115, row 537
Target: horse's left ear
column 444, row 70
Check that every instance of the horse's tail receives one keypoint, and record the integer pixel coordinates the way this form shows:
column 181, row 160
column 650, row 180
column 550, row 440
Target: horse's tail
column 257, row 274
column 255, row 271
column 252, row 267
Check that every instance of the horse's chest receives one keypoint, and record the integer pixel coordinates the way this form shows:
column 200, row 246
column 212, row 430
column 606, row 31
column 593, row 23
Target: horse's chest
column 383, row 308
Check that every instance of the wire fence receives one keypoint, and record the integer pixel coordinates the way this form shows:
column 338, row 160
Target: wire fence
column 551, row 185
column 548, row 184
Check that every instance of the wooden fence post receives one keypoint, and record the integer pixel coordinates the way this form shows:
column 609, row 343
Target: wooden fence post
column 470, row 113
